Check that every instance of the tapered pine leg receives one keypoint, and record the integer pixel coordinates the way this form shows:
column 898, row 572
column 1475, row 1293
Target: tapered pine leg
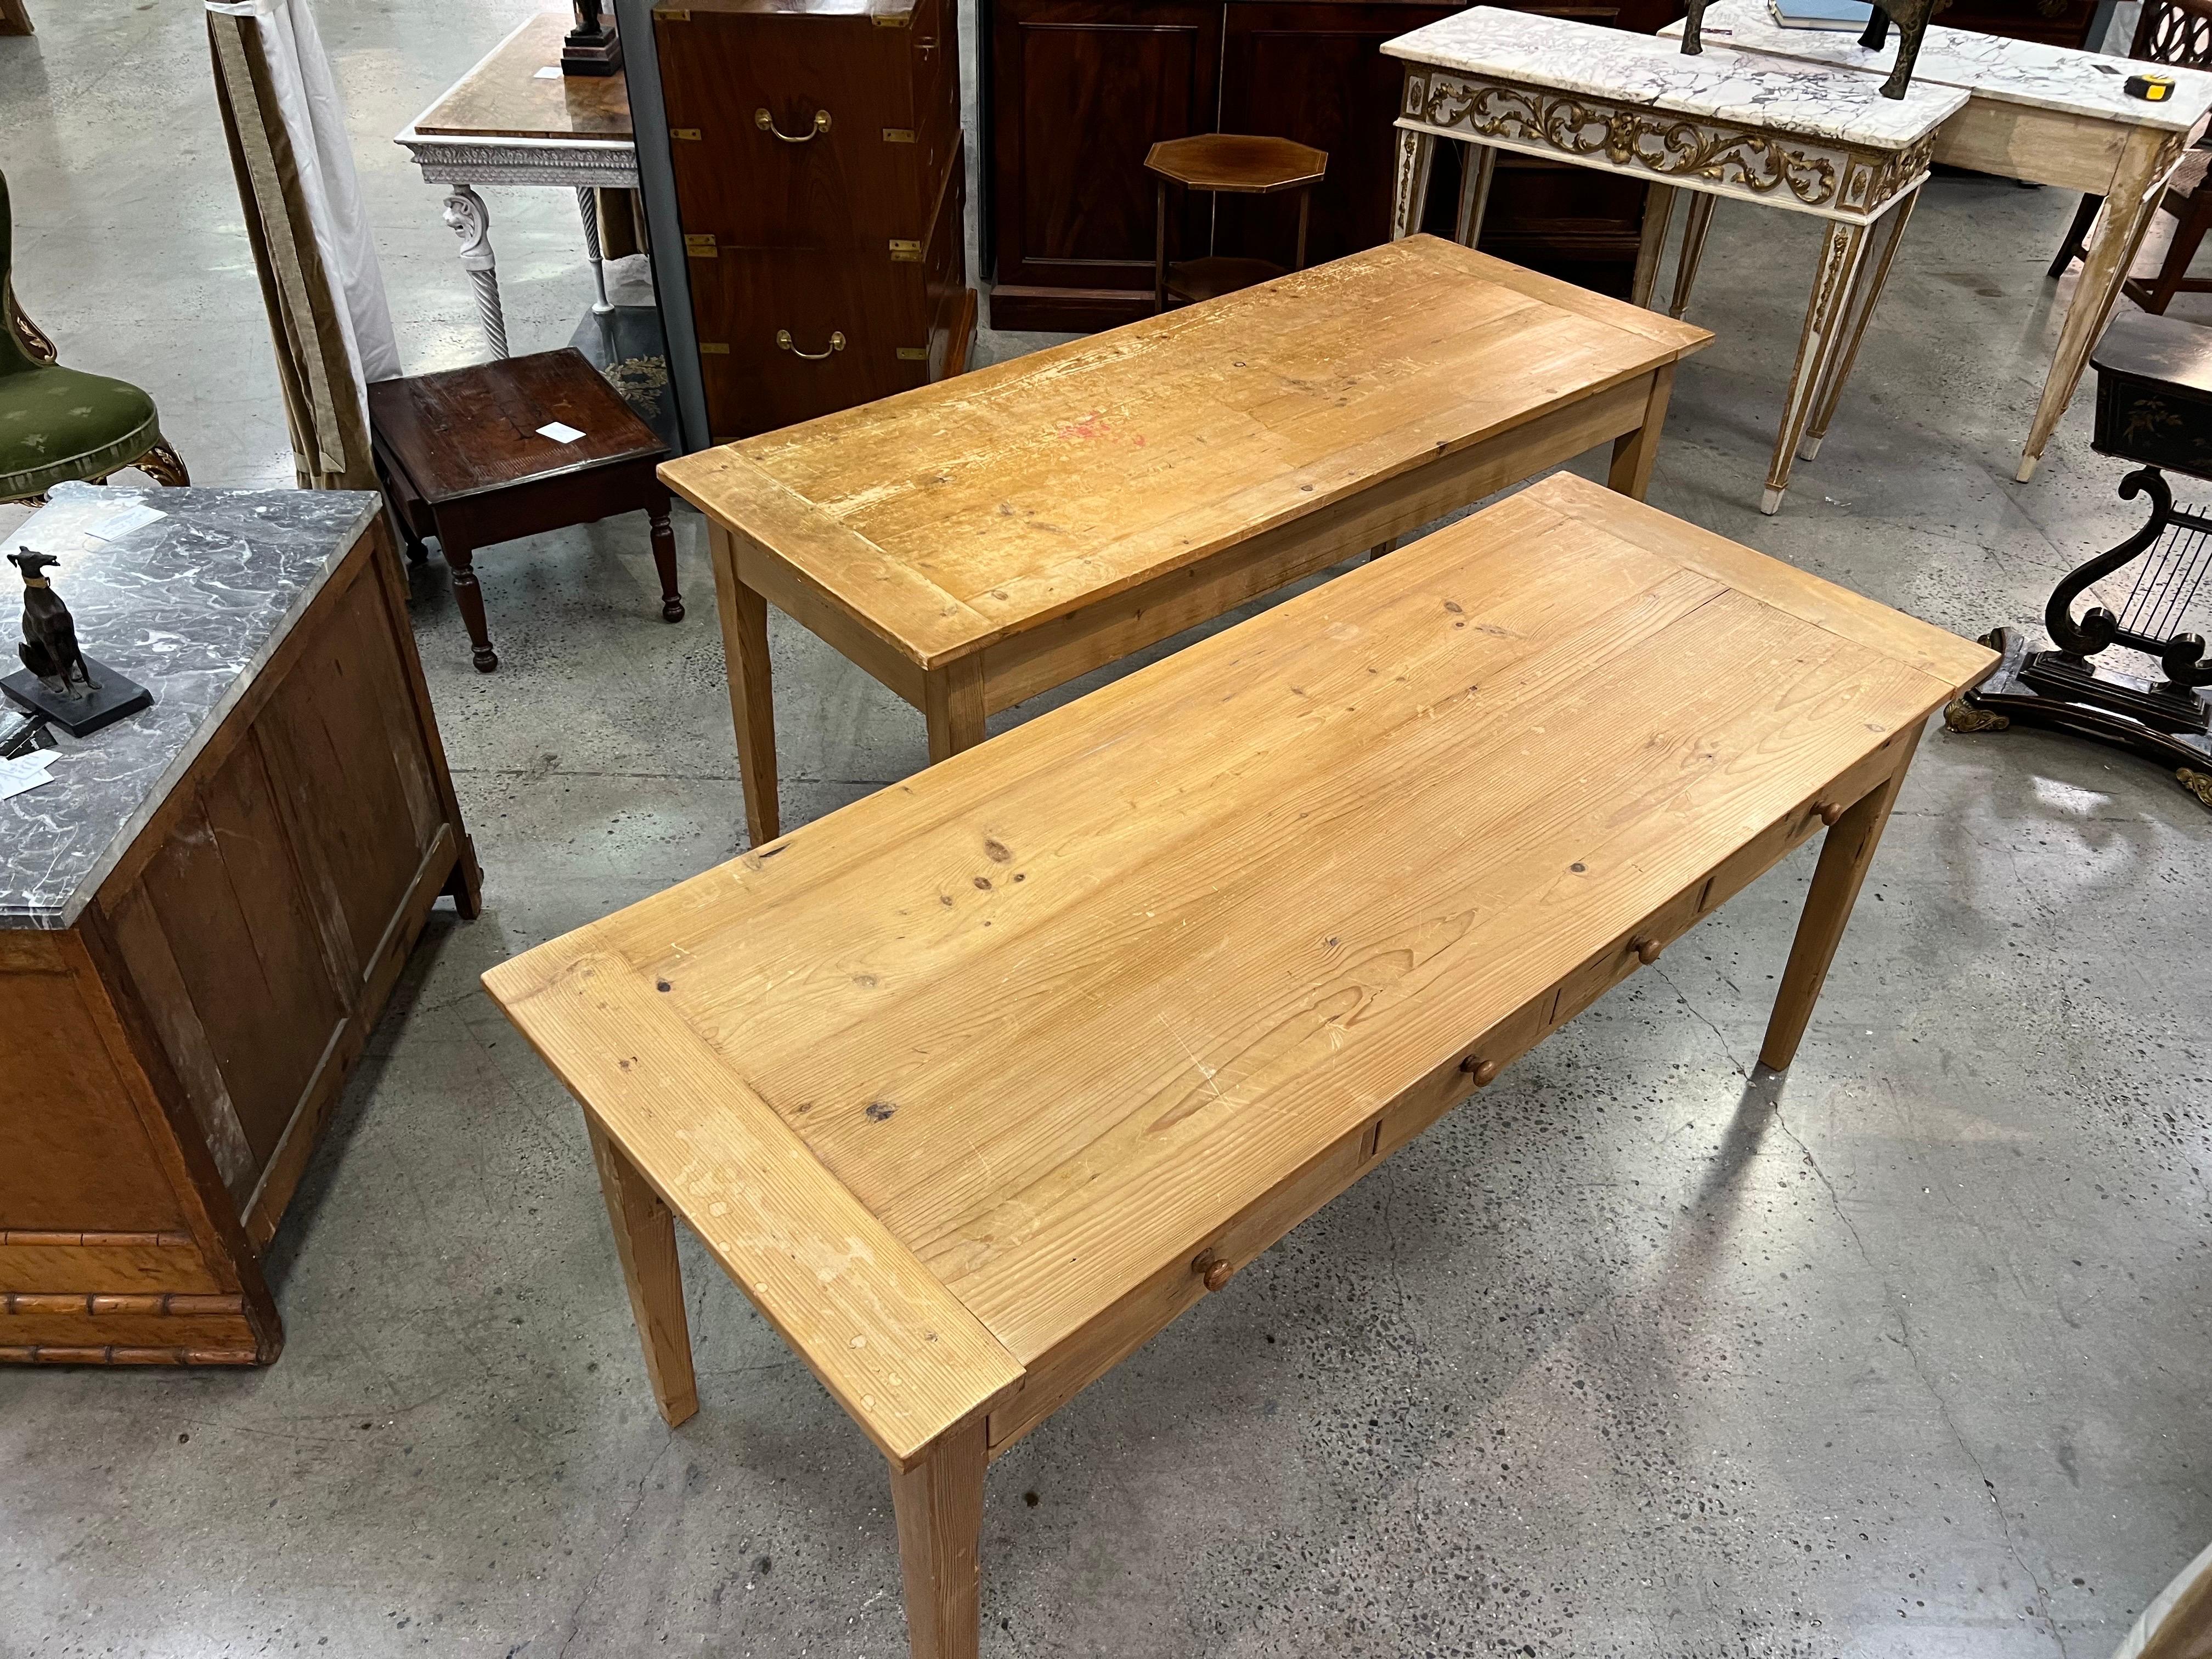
column 1635, row 453
column 645, row 1239
column 952, row 707
column 752, row 698
column 1845, row 854
column 940, row 1503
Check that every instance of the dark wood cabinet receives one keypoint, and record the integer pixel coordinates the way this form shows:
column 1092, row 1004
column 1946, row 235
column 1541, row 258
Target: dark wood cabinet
column 816, row 153
column 1076, row 91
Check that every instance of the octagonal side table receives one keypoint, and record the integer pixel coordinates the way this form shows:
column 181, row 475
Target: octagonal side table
column 1232, row 163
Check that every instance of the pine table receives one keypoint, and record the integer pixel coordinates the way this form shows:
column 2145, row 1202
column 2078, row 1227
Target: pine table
column 976, row 542
column 976, row 1085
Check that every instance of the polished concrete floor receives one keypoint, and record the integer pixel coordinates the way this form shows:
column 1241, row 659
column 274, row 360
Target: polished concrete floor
column 1640, row 1355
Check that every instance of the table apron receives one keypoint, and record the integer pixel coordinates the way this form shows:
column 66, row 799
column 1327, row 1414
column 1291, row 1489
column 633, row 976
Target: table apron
column 1054, row 1377
column 1828, row 179
column 1055, row 652
column 596, row 163
column 2037, row 145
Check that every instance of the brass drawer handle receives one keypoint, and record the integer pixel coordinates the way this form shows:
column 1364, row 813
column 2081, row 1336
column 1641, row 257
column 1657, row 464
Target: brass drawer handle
column 766, row 123
column 783, row 343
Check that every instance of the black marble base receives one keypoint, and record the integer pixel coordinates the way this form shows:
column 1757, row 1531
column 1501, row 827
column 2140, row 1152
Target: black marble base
column 118, row 697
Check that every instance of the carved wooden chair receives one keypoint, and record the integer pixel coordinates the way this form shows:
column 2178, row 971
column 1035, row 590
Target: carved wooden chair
column 57, row 424
column 2176, row 32
column 1911, row 17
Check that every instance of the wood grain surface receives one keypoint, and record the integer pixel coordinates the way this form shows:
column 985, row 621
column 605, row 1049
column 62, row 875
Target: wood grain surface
column 1045, row 1022
column 974, row 509
column 504, row 96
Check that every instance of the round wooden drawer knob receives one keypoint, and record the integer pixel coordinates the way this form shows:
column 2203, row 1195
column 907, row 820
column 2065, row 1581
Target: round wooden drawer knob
column 1484, row 1072
column 1213, row 1269
column 1647, row 948
column 1830, row 810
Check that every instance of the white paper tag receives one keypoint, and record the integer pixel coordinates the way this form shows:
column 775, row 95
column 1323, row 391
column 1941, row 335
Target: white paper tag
column 550, row 72
column 28, row 773
column 559, row 432
column 122, row 521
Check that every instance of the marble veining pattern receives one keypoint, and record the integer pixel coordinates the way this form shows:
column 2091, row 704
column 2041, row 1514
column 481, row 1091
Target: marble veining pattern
column 189, row 606
column 1721, row 84
column 1986, row 65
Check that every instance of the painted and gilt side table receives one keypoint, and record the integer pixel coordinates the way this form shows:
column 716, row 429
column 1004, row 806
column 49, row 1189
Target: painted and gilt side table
column 508, row 122
column 2044, row 115
column 1800, row 137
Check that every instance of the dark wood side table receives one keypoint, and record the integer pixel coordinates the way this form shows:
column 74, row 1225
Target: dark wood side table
column 1227, row 164
column 462, row 458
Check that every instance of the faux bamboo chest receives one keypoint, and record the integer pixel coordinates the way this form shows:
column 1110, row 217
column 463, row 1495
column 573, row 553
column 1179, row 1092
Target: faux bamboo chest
column 819, row 180
column 204, row 912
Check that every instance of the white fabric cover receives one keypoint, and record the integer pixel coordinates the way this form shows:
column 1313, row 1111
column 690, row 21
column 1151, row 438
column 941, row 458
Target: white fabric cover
column 315, row 118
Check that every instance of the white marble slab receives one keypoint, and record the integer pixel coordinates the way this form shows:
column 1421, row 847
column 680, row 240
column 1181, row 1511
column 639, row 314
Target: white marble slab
column 1808, row 99
column 1986, row 65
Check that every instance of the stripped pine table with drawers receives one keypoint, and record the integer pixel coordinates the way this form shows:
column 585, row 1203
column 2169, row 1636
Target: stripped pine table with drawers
column 976, row 542
column 976, row 1085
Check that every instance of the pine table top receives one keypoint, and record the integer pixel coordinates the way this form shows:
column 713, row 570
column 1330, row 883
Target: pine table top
column 943, row 1077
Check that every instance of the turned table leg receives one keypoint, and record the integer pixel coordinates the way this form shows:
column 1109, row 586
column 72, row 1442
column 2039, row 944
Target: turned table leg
column 1845, row 854
column 664, row 555
column 470, row 221
column 2130, row 205
column 1635, row 453
column 461, row 560
column 752, row 696
column 645, row 1239
column 952, row 707
column 939, row 1505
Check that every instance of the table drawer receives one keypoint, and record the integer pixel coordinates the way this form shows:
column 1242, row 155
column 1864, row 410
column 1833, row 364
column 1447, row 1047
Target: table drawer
column 1057, row 1377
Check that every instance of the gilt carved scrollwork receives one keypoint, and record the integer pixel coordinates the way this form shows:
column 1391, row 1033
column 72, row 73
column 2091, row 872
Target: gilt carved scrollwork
column 1839, row 179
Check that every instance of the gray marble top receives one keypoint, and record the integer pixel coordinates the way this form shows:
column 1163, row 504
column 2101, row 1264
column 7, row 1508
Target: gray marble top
column 1808, row 99
column 191, row 607
column 1987, row 66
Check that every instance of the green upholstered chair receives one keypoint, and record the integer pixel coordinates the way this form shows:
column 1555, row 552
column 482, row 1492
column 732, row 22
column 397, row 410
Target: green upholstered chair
column 57, row 424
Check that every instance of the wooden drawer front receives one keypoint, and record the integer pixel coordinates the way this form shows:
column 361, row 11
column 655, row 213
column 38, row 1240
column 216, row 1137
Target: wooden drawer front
column 884, row 308
column 894, row 126
column 1409, row 1116
column 1057, row 1377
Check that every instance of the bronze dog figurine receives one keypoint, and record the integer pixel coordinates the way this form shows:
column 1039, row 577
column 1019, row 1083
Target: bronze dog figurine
column 49, row 647
column 1910, row 15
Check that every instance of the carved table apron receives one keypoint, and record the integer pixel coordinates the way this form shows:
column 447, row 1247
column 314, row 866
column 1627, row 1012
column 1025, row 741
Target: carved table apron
column 1781, row 155
column 487, row 129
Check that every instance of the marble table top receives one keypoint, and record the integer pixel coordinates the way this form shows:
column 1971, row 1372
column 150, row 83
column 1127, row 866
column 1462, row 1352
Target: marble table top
column 1987, row 66
column 1720, row 84
column 190, row 606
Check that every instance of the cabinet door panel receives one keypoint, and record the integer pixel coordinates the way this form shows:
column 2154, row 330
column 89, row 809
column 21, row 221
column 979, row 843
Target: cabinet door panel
column 1081, row 91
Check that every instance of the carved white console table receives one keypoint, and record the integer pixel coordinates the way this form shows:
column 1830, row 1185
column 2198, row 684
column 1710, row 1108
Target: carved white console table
column 1799, row 136
column 2046, row 115
column 506, row 122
